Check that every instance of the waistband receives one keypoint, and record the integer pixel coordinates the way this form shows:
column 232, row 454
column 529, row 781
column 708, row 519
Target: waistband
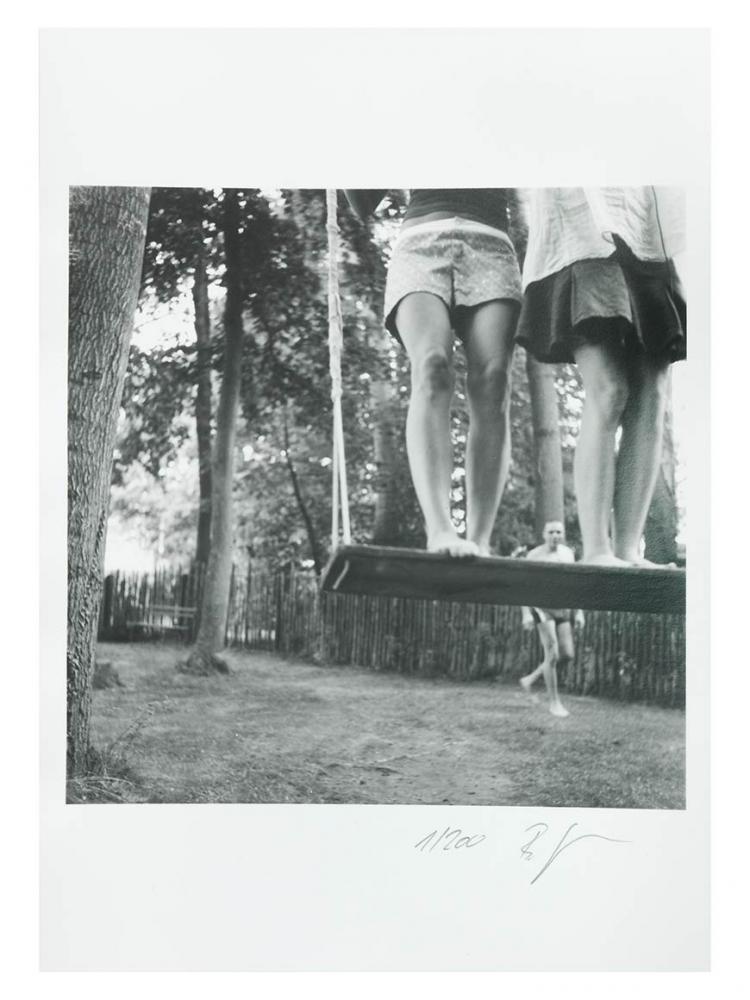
column 456, row 225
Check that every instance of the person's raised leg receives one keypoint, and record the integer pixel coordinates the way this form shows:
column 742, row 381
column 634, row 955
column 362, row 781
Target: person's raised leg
column 487, row 334
column 605, row 384
column 639, row 455
column 424, row 326
column 529, row 680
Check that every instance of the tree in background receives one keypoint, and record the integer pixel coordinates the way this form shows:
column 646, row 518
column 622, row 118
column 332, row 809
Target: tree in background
column 289, row 417
column 204, row 658
column 286, row 357
column 282, row 488
column 203, row 405
column 154, row 422
column 107, row 235
column 570, row 396
column 537, row 444
column 183, row 248
column 287, row 404
column 662, row 521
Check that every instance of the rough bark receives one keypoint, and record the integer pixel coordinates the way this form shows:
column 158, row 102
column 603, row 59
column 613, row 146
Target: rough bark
column 662, row 522
column 309, row 526
column 107, row 236
column 548, row 473
column 203, row 409
column 205, row 656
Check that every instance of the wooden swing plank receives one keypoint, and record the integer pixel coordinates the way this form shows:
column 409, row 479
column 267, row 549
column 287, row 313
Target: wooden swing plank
column 413, row 573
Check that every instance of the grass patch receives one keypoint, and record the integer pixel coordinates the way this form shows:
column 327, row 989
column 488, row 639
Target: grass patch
column 275, row 730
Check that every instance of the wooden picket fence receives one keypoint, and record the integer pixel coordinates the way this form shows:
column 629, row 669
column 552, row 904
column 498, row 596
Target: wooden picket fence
column 618, row 654
column 128, row 599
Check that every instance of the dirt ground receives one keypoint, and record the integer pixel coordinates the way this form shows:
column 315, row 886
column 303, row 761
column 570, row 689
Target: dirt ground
column 278, row 730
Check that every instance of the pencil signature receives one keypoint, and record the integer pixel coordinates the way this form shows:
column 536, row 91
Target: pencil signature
column 562, row 845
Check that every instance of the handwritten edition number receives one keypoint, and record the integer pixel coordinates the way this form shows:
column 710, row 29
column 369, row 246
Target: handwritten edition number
column 449, row 840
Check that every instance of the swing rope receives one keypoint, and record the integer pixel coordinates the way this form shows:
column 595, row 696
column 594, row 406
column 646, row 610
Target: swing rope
column 340, row 504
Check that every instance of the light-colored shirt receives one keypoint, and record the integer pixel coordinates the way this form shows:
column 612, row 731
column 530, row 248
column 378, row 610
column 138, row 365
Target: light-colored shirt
column 567, row 225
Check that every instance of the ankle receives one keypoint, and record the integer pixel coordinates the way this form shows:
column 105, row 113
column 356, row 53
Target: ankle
column 482, row 542
column 436, row 533
column 594, row 552
column 629, row 553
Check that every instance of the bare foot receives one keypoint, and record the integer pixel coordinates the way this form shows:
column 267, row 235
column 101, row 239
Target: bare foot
column 526, row 683
column 556, row 708
column 450, row 544
column 641, row 563
column 605, row 559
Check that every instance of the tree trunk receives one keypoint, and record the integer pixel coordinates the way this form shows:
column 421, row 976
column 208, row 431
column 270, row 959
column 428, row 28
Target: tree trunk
column 387, row 524
column 309, row 527
column 661, row 524
column 204, row 657
column 548, row 476
column 203, row 409
column 107, row 236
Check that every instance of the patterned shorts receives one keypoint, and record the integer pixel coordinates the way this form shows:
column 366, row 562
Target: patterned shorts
column 464, row 263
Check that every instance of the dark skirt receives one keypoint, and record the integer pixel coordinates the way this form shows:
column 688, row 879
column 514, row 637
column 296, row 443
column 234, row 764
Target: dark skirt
column 638, row 304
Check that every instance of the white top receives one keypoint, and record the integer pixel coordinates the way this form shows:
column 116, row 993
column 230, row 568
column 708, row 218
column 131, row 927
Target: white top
column 571, row 224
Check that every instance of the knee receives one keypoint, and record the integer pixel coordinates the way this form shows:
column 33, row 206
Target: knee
column 608, row 395
column 489, row 384
column 432, row 375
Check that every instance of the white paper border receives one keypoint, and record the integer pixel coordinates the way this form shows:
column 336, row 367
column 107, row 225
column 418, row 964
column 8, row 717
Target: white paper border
column 479, row 915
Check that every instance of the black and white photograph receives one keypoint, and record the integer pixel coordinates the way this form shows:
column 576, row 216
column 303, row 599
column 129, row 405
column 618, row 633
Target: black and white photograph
column 375, row 485
column 389, row 494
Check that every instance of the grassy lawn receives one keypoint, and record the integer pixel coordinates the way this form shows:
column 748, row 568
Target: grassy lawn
column 279, row 730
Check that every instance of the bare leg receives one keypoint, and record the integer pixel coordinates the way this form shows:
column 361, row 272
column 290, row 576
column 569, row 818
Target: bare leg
column 424, row 326
column 548, row 666
column 639, row 455
column 488, row 339
column 528, row 680
column 604, row 377
column 565, row 646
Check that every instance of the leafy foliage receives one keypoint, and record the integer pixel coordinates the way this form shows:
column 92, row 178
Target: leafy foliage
column 158, row 388
column 283, row 480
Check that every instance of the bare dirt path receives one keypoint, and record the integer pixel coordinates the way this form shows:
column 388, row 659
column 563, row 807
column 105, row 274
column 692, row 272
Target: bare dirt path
column 277, row 730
